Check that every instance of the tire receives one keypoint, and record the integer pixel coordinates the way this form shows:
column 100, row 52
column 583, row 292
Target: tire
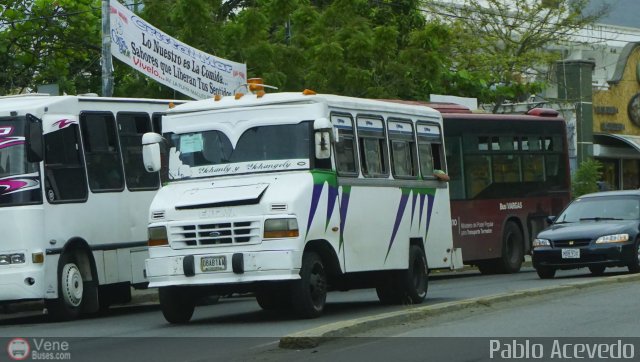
column 512, row 249
column 488, row 267
column 177, row 304
column 546, row 272
column 635, row 267
column 71, row 290
column 309, row 294
column 279, row 299
column 597, row 270
column 408, row 286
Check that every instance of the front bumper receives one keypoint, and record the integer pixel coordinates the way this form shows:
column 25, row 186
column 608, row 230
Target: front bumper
column 15, row 285
column 257, row 266
column 599, row 255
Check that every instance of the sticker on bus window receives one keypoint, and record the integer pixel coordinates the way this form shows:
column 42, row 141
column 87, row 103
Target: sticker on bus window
column 425, row 130
column 341, row 122
column 191, row 143
column 401, row 127
column 365, row 123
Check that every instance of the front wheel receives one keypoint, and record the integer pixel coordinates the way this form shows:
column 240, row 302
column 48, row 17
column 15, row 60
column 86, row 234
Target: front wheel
column 71, row 291
column 597, row 270
column 546, row 272
column 634, row 267
column 309, row 294
column 177, row 304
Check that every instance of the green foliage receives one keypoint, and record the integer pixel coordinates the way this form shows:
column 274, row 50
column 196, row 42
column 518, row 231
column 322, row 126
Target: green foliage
column 585, row 178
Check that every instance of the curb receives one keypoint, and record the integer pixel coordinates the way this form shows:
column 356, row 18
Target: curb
column 313, row 337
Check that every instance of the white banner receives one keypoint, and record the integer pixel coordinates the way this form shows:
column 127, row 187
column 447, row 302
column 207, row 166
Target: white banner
column 169, row 61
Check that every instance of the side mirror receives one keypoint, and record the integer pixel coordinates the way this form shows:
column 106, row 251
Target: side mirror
column 551, row 219
column 35, row 144
column 323, row 130
column 151, row 151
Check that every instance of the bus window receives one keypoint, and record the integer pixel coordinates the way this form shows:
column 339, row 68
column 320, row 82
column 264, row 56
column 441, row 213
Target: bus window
column 532, row 167
column 101, row 150
column 430, row 149
column 65, row 178
column 373, row 147
column 131, row 127
column 477, row 174
column 403, row 149
column 453, row 146
column 345, row 147
column 506, row 168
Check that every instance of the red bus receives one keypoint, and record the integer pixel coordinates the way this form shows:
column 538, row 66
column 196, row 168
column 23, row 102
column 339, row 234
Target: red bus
column 507, row 173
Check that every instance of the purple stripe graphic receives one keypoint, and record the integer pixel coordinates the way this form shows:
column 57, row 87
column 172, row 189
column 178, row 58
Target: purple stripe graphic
column 333, row 194
column 429, row 209
column 421, row 208
column 315, row 199
column 403, row 204
column 6, row 142
column 344, row 205
column 413, row 206
column 11, row 185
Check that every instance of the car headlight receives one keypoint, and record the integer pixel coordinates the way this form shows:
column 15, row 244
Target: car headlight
column 17, row 258
column 616, row 238
column 281, row 228
column 158, row 236
column 537, row 243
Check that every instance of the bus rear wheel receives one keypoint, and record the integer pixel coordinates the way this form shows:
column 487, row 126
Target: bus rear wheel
column 407, row 286
column 71, row 290
column 512, row 249
column 177, row 304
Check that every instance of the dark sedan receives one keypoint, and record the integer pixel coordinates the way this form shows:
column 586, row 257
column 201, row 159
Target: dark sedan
column 597, row 230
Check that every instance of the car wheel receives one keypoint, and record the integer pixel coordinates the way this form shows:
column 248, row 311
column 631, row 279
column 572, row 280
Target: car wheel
column 635, row 267
column 309, row 294
column 597, row 270
column 177, row 304
column 546, row 272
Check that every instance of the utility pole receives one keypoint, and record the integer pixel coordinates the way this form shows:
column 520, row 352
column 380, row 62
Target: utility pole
column 107, row 64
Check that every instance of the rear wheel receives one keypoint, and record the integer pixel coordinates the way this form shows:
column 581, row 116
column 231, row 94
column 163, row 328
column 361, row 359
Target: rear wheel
column 408, row 286
column 546, row 272
column 177, row 304
column 597, row 270
column 309, row 294
column 512, row 249
column 634, row 267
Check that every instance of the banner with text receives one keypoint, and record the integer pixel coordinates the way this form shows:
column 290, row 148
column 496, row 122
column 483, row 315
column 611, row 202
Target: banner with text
column 169, row 61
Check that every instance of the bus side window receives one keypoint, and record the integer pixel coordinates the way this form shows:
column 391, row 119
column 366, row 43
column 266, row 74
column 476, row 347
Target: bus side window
column 430, row 149
column 102, row 151
column 65, row 178
column 346, row 161
column 373, row 147
column 403, row 149
column 131, row 127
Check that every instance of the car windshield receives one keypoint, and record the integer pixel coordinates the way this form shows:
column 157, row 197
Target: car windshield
column 258, row 149
column 601, row 208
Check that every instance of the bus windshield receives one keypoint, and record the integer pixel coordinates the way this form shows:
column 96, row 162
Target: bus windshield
column 19, row 179
column 258, row 149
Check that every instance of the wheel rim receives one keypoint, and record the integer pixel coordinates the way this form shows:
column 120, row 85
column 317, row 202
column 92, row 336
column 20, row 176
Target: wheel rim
column 317, row 286
column 71, row 285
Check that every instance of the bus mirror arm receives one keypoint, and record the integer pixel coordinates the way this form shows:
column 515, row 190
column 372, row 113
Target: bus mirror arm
column 151, row 151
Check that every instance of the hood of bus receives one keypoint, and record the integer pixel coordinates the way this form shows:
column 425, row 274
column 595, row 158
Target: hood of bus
column 229, row 197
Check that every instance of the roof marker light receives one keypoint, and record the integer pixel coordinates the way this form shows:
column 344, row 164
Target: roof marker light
column 217, row 97
column 239, row 95
column 308, row 92
column 260, row 93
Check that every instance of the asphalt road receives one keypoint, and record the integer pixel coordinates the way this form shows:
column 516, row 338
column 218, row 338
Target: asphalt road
column 236, row 329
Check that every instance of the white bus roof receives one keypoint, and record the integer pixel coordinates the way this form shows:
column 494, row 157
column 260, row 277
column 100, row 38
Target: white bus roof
column 290, row 98
column 36, row 103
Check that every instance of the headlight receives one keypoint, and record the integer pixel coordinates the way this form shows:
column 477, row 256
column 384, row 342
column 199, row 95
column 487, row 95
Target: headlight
column 280, row 228
column 537, row 243
column 158, row 236
column 617, row 238
column 7, row 259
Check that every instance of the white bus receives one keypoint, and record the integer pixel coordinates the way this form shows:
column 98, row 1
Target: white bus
column 74, row 196
column 290, row 195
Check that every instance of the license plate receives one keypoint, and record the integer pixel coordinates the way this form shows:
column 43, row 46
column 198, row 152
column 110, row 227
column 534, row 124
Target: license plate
column 213, row 263
column 570, row 253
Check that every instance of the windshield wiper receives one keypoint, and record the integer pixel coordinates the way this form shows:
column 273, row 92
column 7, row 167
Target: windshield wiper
column 597, row 218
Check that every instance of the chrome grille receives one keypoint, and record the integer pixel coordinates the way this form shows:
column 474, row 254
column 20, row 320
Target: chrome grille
column 215, row 233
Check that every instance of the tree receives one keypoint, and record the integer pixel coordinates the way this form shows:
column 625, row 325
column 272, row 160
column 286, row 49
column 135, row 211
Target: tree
column 585, row 179
column 49, row 42
column 505, row 43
